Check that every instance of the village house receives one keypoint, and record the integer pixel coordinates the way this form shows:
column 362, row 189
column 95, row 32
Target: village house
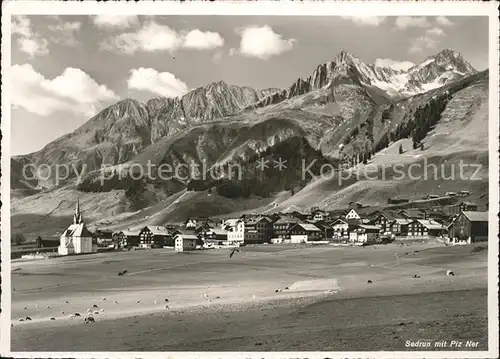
column 76, row 239
column 399, row 226
column 319, row 216
column 466, row 206
column 411, row 213
column 384, row 220
column 104, row 237
column 155, row 237
column 304, row 233
column 235, row 230
column 423, row 228
column 128, row 238
column 326, row 230
column 185, row 241
column 364, row 233
column 340, row 229
column 258, row 230
column 352, row 214
column 470, row 227
column 283, row 225
column 190, row 224
column 216, row 236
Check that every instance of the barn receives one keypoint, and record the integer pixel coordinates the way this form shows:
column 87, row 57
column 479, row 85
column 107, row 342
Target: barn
column 470, row 227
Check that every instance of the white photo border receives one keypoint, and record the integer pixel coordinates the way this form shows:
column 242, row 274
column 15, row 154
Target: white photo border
column 274, row 8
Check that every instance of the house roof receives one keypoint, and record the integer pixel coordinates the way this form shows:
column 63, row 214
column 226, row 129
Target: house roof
column 157, row 230
column 232, row 222
column 128, row 232
column 309, row 227
column 338, row 220
column 187, row 236
column 287, row 219
column 430, row 224
column 217, row 231
column 254, row 220
column 476, row 216
column 402, row 221
column 368, row 227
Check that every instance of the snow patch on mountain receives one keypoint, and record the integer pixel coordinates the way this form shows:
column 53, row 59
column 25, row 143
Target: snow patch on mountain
column 394, row 65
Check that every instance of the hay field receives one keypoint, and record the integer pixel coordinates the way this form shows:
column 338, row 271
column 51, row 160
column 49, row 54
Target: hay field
column 221, row 303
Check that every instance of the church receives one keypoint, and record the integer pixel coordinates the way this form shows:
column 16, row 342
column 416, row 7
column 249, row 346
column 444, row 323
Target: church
column 77, row 238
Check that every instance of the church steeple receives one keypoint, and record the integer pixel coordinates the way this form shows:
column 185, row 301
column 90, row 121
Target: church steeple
column 77, row 218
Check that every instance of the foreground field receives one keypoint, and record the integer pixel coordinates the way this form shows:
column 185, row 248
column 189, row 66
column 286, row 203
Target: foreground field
column 221, row 303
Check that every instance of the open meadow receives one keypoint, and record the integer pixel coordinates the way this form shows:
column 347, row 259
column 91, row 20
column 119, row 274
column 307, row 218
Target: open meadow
column 218, row 303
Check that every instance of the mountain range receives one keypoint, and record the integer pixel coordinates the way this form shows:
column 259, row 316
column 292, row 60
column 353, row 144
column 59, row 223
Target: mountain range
column 345, row 113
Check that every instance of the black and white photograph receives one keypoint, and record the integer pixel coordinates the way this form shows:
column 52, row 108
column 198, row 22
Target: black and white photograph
column 254, row 177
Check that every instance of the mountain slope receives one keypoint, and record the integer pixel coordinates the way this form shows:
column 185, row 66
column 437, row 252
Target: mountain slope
column 340, row 116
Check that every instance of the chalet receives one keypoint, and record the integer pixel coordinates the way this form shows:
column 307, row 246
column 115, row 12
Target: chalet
column 155, row 237
column 364, row 233
column 185, row 241
column 384, row 220
column 432, row 227
column 411, row 213
column 467, row 207
column 216, row 236
column 399, row 226
column 340, row 229
column 128, row 238
column 423, row 228
column 326, row 230
column 258, row 230
column 320, row 216
column 352, row 214
column 283, row 225
column 190, row 224
column 304, row 233
column 235, row 230
column 103, row 237
column 469, row 227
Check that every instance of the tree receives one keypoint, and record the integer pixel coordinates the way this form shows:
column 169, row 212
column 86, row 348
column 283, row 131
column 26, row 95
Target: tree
column 400, row 149
column 18, row 239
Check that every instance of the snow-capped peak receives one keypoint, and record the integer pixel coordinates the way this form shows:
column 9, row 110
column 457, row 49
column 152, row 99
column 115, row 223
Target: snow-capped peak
column 394, row 65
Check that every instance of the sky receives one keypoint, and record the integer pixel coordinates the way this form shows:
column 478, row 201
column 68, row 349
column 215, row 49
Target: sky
column 65, row 69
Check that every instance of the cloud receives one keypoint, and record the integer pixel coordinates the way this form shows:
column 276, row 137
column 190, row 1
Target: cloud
column 28, row 41
column 366, row 20
column 404, row 22
column 160, row 83
column 436, row 31
column 395, row 65
column 196, row 39
column 262, row 42
column 115, row 21
column 422, row 43
column 73, row 91
column 65, row 32
column 443, row 21
column 155, row 37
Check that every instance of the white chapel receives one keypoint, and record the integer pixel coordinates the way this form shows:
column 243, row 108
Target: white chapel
column 77, row 238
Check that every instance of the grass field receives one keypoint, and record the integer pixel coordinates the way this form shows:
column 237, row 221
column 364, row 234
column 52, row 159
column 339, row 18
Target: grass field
column 226, row 304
